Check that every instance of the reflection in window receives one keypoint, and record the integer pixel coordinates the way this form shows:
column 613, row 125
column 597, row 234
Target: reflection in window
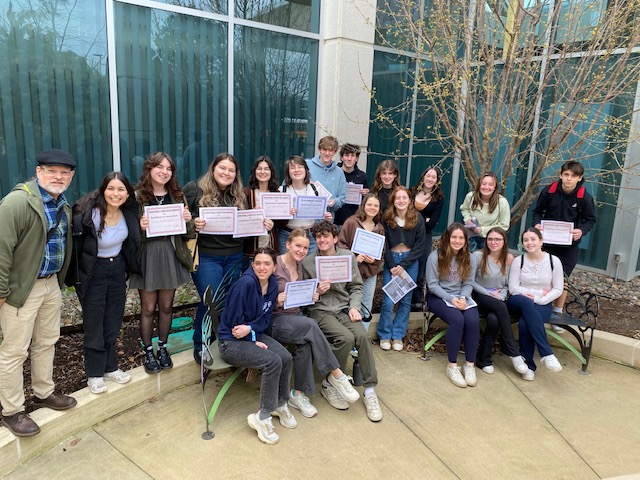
column 298, row 14
column 172, row 89
column 212, row 6
column 275, row 96
column 577, row 20
column 53, row 89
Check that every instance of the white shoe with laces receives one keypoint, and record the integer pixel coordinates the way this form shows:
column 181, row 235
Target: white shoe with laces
column 470, row 375
column 372, row 405
column 303, row 405
column 333, row 397
column 118, row 376
column 488, row 369
column 96, row 385
column 266, row 432
column 455, row 375
column 551, row 362
column 557, row 329
column 529, row 375
column 519, row 364
column 344, row 388
column 385, row 344
column 287, row 419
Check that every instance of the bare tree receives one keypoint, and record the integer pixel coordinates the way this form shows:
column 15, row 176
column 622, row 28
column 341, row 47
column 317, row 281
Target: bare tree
column 521, row 85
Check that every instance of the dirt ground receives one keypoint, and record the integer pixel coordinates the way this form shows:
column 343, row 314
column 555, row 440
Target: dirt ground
column 615, row 317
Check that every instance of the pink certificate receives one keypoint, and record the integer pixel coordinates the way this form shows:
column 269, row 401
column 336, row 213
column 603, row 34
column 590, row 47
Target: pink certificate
column 165, row 220
column 334, row 268
column 250, row 223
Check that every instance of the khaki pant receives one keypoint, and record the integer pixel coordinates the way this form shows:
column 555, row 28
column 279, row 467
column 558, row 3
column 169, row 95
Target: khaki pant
column 37, row 323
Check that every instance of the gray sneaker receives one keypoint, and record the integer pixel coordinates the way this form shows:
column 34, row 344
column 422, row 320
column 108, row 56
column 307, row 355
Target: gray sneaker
column 344, row 387
column 334, row 398
column 373, row 407
column 117, row 376
column 287, row 420
column 96, row 385
column 301, row 402
column 266, row 432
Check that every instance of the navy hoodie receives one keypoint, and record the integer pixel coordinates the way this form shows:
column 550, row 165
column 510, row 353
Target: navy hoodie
column 245, row 305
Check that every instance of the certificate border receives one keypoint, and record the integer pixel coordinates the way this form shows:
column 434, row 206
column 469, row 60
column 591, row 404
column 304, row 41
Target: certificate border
column 270, row 194
column 312, row 217
column 235, row 220
column 297, row 305
column 358, row 234
column 171, row 206
column 318, row 259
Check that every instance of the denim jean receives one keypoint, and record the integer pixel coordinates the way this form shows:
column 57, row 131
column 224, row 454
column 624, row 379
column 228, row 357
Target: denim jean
column 531, row 327
column 396, row 328
column 274, row 363
column 368, row 291
column 283, row 236
column 211, row 271
column 462, row 324
column 311, row 346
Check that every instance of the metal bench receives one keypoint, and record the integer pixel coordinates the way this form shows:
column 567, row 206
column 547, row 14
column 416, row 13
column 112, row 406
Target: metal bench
column 580, row 319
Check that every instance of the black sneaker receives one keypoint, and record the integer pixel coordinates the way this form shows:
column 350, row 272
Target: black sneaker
column 150, row 362
column 164, row 359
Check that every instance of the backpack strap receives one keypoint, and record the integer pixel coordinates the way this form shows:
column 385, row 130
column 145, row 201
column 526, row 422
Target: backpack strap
column 315, row 190
column 522, row 262
column 51, row 232
column 554, row 187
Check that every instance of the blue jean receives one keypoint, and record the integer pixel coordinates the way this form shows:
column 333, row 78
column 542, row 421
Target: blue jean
column 311, row 345
column 274, row 363
column 396, row 328
column 462, row 324
column 531, row 327
column 211, row 271
column 368, row 291
column 283, row 236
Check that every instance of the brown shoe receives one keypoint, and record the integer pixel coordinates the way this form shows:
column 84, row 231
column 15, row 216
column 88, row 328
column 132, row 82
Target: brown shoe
column 21, row 424
column 56, row 401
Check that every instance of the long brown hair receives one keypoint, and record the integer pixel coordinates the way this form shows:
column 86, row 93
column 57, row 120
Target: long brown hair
column 211, row 193
column 144, row 188
column 410, row 219
column 502, row 258
column 436, row 192
column 361, row 214
column 446, row 254
column 385, row 165
column 477, row 203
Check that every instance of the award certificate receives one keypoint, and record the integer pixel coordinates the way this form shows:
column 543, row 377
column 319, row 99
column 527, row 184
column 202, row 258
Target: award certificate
column 249, row 223
column 334, row 269
column 277, row 206
column 353, row 196
column 557, row 233
column 322, row 192
column 220, row 220
column 300, row 293
column 368, row 243
column 310, row 206
column 165, row 220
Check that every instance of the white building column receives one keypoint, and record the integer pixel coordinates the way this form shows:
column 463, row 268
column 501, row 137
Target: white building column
column 345, row 71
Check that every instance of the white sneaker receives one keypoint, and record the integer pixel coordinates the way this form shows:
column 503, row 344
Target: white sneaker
column 557, row 329
column 470, row 375
column 519, row 364
column 118, row 376
column 373, row 407
column 551, row 362
column 344, row 388
column 287, row 419
column 96, row 385
column 334, row 398
column 301, row 403
column 385, row 344
column 488, row 369
column 529, row 375
column 398, row 345
column 266, row 432
column 455, row 375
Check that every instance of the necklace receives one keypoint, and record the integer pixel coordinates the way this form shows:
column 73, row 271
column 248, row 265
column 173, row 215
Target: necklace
column 159, row 199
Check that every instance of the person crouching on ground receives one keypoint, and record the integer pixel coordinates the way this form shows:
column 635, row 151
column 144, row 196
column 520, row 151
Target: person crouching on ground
column 291, row 327
column 337, row 312
column 450, row 280
column 242, row 342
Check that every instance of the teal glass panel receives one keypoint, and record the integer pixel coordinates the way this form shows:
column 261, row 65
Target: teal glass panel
column 54, row 89
column 212, row 6
column 577, row 20
column 275, row 96
column 172, row 88
column 298, row 14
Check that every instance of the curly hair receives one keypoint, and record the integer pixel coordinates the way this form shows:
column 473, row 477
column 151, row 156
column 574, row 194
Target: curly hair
column 361, row 214
column 477, row 203
column 211, row 192
column 273, row 179
column 411, row 217
column 385, row 165
column 446, row 253
column 144, row 188
column 436, row 192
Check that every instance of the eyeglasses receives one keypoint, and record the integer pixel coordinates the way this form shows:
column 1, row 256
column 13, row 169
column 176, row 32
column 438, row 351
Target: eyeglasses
column 57, row 173
column 495, row 240
column 263, row 169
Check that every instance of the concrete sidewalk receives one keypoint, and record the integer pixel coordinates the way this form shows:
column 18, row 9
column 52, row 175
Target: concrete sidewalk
column 562, row 425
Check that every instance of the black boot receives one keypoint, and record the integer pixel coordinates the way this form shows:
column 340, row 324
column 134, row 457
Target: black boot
column 164, row 359
column 150, row 361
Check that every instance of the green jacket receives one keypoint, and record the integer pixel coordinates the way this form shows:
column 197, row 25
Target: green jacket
column 340, row 295
column 23, row 234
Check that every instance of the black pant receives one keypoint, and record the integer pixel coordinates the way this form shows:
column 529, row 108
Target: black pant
column 102, row 313
column 422, row 268
column 498, row 319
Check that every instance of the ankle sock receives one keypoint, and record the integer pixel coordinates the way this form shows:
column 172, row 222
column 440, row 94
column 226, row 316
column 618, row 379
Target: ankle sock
column 369, row 390
column 556, row 310
column 148, row 348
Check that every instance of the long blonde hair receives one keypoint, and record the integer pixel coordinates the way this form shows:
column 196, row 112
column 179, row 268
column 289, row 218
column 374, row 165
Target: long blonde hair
column 411, row 217
column 211, row 192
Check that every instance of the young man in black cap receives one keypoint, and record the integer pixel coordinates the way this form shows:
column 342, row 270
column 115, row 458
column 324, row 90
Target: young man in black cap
column 35, row 250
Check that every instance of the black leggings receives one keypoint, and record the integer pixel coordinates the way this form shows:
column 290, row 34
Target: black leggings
column 498, row 319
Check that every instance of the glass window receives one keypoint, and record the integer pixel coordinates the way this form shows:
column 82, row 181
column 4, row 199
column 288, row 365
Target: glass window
column 212, row 6
column 298, row 14
column 577, row 20
column 172, row 88
column 275, row 96
column 53, row 89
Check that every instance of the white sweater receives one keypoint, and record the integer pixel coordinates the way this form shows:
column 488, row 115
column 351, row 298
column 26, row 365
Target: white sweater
column 535, row 278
